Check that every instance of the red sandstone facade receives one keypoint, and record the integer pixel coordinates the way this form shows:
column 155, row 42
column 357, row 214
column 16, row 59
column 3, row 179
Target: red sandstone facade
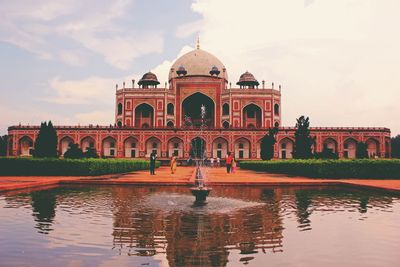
column 167, row 120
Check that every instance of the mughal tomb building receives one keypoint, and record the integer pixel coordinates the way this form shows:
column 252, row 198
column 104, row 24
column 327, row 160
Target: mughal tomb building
column 149, row 117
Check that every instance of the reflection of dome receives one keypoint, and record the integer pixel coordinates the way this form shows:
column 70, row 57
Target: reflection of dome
column 198, row 63
column 148, row 79
column 247, row 79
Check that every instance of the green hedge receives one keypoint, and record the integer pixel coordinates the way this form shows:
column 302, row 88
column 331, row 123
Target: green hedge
column 68, row 167
column 359, row 168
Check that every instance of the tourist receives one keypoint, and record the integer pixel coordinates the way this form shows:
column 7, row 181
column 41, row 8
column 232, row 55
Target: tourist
column 173, row 164
column 229, row 162
column 211, row 162
column 218, row 162
column 153, row 157
column 234, row 164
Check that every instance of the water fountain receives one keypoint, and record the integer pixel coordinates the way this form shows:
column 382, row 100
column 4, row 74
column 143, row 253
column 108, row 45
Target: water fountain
column 200, row 190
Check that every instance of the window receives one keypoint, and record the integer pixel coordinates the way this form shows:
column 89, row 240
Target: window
column 346, row 146
column 225, row 109
column 219, row 146
column 276, row 109
column 91, row 144
column 133, row 145
column 283, row 146
column 119, row 123
column 225, row 124
column 176, row 145
column 119, row 109
column 170, row 109
column 112, row 144
column 241, row 145
column 276, row 124
column 241, row 154
column 154, row 145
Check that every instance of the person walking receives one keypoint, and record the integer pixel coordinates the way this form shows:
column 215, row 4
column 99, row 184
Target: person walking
column 153, row 157
column 234, row 164
column 218, row 162
column 229, row 162
column 212, row 162
column 173, row 164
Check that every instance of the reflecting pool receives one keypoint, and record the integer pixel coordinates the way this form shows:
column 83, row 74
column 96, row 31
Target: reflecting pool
column 160, row 226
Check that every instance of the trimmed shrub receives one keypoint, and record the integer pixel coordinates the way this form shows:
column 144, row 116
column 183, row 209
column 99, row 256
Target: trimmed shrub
column 359, row 168
column 69, row 167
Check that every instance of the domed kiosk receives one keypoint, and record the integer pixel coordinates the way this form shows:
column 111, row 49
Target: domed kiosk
column 149, row 79
column 247, row 80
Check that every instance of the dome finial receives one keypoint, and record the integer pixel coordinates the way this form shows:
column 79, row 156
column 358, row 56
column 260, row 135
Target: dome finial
column 198, row 42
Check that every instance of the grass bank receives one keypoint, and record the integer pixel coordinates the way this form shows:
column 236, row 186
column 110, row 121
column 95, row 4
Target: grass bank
column 358, row 168
column 68, row 167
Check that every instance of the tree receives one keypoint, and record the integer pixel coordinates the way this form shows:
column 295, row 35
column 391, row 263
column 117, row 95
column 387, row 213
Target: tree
column 361, row 150
column 46, row 142
column 90, row 153
column 326, row 153
column 267, row 144
column 396, row 146
column 73, row 152
column 303, row 141
column 3, row 145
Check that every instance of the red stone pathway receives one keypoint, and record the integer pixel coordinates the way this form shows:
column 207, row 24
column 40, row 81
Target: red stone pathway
column 185, row 176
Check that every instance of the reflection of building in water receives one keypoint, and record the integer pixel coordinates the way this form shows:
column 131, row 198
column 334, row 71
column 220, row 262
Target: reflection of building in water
column 196, row 239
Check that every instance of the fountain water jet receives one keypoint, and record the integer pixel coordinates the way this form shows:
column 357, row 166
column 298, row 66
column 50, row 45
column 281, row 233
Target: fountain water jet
column 200, row 190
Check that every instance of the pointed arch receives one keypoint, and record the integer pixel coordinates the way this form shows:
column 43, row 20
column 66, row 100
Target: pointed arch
column 331, row 144
column 219, row 147
column 144, row 116
column 191, row 108
column 175, row 147
column 25, row 146
column 87, row 142
column 153, row 144
column 349, row 148
column 131, row 147
column 242, row 147
column 373, row 147
column 285, row 148
column 65, row 143
column 109, row 147
column 252, row 116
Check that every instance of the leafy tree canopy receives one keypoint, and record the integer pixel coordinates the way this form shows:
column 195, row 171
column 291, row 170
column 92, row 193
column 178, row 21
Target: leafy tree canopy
column 396, row 147
column 303, row 140
column 267, row 144
column 46, row 142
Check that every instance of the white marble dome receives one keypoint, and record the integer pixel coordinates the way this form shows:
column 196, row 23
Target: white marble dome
column 198, row 63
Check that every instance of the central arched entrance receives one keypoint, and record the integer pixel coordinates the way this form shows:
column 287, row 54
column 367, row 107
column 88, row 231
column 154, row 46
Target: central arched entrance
column 197, row 147
column 191, row 111
column 144, row 116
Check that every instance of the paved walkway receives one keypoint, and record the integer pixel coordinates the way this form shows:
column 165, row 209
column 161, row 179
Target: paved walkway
column 185, row 176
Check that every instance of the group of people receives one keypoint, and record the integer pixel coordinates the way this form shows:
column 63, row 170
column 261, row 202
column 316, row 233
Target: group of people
column 231, row 163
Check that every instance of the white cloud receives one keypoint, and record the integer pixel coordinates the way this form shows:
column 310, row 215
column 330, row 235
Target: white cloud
column 86, row 91
column 185, row 30
column 337, row 60
column 38, row 26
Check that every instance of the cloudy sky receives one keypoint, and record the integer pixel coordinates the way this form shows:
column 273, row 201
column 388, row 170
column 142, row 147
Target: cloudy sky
column 338, row 61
